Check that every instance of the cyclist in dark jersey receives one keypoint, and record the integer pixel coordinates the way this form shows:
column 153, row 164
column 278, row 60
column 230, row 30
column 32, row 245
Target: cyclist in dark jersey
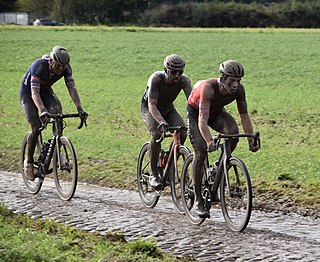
column 206, row 108
column 36, row 95
column 157, row 109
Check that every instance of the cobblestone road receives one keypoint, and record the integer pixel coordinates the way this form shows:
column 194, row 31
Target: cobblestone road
column 269, row 236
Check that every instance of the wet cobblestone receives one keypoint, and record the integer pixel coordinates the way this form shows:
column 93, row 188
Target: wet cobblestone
column 270, row 236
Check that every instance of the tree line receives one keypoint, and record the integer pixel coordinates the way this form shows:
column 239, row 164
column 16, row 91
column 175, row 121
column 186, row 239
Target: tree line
column 178, row 13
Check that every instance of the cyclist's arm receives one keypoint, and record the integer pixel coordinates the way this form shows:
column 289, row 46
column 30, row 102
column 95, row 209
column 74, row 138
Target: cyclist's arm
column 187, row 88
column 152, row 105
column 73, row 92
column 204, row 112
column 35, row 94
column 243, row 111
column 204, row 108
column 246, row 124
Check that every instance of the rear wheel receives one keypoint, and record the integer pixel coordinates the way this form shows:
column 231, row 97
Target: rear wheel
column 236, row 199
column 148, row 195
column 183, row 153
column 32, row 186
column 65, row 169
column 188, row 194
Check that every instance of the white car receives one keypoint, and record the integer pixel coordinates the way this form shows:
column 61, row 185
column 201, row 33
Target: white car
column 47, row 21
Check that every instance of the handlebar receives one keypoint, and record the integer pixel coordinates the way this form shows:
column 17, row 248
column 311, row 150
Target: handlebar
column 255, row 136
column 62, row 116
column 171, row 129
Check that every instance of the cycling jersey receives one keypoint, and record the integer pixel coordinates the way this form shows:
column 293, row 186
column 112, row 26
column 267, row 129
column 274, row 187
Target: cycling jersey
column 39, row 76
column 217, row 100
column 164, row 93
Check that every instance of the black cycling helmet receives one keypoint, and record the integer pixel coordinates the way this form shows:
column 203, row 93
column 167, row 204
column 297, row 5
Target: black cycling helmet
column 231, row 68
column 173, row 62
column 60, row 55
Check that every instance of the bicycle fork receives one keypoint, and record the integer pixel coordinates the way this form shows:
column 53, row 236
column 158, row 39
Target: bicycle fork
column 226, row 158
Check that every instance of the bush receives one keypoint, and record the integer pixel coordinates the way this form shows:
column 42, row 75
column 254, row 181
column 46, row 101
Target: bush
column 218, row 14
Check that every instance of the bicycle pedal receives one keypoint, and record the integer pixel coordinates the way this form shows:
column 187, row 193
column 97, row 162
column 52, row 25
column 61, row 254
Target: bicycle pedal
column 39, row 176
column 158, row 192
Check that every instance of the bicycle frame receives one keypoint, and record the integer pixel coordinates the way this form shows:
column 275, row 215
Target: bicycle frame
column 231, row 178
column 57, row 120
column 176, row 143
column 224, row 157
column 176, row 155
column 60, row 152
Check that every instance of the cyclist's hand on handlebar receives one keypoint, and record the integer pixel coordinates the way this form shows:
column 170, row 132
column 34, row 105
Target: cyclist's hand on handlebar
column 82, row 114
column 211, row 146
column 163, row 127
column 44, row 116
column 254, row 147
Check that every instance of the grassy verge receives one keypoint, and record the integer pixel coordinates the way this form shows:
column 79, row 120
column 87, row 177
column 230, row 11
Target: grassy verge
column 25, row 239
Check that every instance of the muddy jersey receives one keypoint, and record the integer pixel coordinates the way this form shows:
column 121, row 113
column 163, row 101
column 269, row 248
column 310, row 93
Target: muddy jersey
column 39, row 76
column 164, row 93
column 217, row 100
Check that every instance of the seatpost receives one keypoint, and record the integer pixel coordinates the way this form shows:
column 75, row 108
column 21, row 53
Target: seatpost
column 176, row 138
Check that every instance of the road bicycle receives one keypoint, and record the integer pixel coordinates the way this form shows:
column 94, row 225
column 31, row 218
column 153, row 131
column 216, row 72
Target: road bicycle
column 229, row 175
column 170, row 164
column 60, row 150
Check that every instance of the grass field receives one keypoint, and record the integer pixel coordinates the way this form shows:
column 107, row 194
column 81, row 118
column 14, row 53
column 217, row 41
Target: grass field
column 111, row 67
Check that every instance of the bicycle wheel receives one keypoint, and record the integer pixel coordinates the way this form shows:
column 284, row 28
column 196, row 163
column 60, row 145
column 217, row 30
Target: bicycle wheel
column 65, row 168
column 175, row 178
column 187, row 192
column 236, row 203
column 32, row 186
column 148, row 195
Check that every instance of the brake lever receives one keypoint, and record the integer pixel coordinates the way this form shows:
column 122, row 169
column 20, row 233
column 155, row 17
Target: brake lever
column 81, row 124
column 257, row 140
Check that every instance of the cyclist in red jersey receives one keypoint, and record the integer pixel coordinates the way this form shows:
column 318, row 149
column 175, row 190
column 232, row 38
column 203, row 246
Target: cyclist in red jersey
column 206, row 109
column 36, row 95
column 157, row 109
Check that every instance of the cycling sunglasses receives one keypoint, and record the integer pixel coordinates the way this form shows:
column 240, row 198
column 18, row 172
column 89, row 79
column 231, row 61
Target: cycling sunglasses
column 173, row 71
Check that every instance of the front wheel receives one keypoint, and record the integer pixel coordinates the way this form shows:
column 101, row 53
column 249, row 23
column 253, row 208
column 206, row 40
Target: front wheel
column 182, row 154
column 65, row 168
column 32, row 186
column 148, row 195
column 236, row 195
column 187, row 192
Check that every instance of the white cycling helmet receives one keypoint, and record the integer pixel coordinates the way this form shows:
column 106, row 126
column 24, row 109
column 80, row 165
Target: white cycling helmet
column 231, row 68
column 60, row 55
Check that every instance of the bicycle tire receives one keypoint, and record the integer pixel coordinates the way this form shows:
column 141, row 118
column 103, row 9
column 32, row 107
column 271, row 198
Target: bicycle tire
column 65, row 173
column 175, row 178
column 187, row 192
column 148, row 195
column 236, row 206
column 32, row 186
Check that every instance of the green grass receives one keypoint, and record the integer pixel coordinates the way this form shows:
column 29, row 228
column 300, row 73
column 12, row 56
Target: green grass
column 111, row 67
column 25, row 239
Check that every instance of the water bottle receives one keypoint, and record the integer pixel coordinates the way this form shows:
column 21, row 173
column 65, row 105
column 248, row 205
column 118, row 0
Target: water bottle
column 164, row 159
column 161, row 155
